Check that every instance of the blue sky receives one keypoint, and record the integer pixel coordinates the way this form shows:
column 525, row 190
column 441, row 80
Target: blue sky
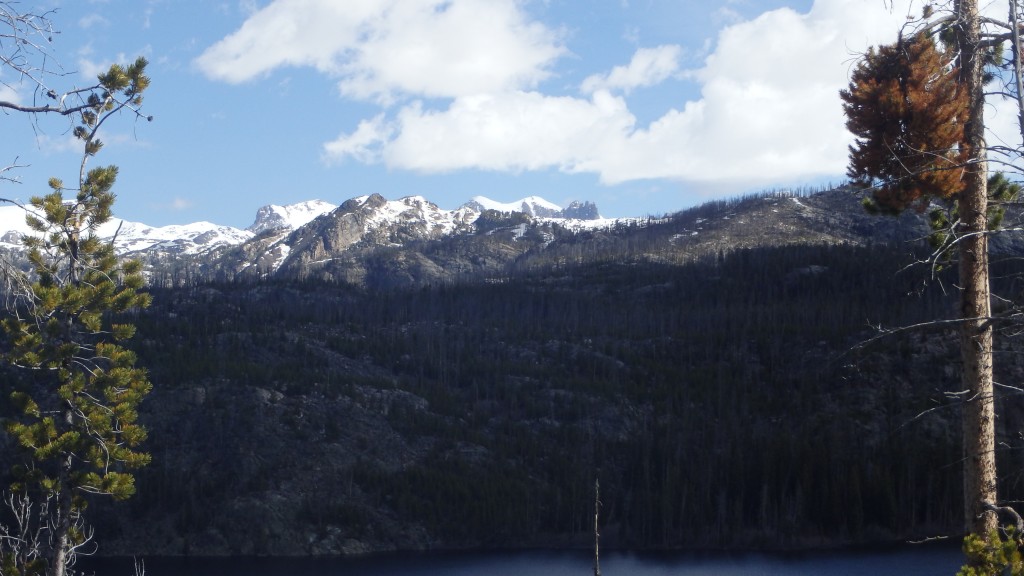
column 645, row 107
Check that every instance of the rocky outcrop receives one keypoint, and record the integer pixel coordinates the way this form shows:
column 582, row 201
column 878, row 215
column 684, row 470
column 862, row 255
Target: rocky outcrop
column 581, row 211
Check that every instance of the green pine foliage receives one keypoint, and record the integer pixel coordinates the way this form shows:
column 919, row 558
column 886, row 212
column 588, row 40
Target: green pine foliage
column 1001, row 191
column 76, row 415
column 997, row 555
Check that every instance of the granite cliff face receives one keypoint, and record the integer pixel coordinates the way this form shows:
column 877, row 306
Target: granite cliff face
column 372, row 241
column 274, row 217
column 365, row 224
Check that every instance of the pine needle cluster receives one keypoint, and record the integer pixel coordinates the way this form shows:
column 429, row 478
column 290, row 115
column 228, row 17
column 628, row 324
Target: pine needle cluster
column 906, row 108
column 77, row 410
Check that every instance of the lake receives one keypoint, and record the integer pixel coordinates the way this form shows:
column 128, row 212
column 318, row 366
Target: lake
column 931, row 560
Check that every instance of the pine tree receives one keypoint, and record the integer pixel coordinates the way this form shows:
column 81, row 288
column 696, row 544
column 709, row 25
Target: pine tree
column 907, row 113
column 78, row 413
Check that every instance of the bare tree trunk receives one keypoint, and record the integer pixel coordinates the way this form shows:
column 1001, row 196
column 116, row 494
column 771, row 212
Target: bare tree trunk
column 597, row 533
column 1018, row 67
column 976, row 329
column 60, row 544
column 60, row 530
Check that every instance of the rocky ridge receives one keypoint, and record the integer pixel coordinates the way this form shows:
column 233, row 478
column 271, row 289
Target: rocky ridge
column 311, row 238
column 372, row 241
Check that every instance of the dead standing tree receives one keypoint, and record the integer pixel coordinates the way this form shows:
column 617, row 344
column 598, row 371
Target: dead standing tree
column 979, row 436
column 916, row 109
column 597, row 529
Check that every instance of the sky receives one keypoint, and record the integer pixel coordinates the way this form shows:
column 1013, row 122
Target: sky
column 645, row 107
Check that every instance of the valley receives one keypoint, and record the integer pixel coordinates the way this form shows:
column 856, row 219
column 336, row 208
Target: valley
column 727, row 388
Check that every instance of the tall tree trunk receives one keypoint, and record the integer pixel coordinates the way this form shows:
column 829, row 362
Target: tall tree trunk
column 976, row 330
column 1018, row 66
column 60, row 544
column 597, row 532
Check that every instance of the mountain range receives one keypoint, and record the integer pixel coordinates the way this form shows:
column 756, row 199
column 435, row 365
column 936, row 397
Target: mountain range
column 302, row 238
column 371, row 241
column 386, row 375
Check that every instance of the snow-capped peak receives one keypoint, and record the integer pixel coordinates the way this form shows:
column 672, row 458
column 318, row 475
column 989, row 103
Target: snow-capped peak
column 382, row 212
column 292, row 216
column 133, row 237
column 371, row 218
column 531, row 205
column 195, row 238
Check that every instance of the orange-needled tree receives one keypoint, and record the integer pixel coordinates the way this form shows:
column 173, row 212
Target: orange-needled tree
column 916, row 108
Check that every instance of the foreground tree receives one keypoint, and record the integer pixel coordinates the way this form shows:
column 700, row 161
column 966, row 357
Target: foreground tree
column 78, row 420
column 917, row 111
column 979, row 435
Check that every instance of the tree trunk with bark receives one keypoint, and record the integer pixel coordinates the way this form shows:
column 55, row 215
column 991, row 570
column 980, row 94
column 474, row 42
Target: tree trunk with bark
column 60, row 544
column 597, row 532
column 976, row 329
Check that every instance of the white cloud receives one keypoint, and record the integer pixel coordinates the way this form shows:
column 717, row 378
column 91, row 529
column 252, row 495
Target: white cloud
column 1004, row 130
column 1001, row 118
column 67, row 143
column 768, row 111
column 248, row 7
column 649, row 66
column 382, row 48
column 509, row 132
column 364, row 144
column 87, row 66
column 58, row 144
column 91, row 69
column 92, row 20
column 468, row 77
column 180, row 204
column 9, row 94
column 286, row 33
column 726, row 15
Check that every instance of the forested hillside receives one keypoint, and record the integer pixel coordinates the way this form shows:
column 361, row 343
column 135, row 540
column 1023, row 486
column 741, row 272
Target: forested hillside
column 721, row 402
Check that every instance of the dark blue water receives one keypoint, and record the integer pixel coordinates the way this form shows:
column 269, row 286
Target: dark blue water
column 906, row 561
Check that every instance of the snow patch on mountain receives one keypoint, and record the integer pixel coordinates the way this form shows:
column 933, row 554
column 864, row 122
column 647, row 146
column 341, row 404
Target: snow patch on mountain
column 411, row 210
column 282, row 256
column 292, row 216
column 541, row 209
column 133, row 237
column 533, row 205
column 365, row 217
column 12, row 225
column 195, row 238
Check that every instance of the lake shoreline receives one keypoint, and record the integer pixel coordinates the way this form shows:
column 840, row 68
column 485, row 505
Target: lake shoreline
column 906, row 560
column 853, row 549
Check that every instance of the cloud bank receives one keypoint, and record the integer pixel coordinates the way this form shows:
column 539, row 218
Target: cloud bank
column 381, row 48
column 461, row 85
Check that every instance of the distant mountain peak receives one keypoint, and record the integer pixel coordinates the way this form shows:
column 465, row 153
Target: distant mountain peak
column 537, row 207
column 383, row 213
column 317, row 237
column 292, row 216
column 581, row 211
